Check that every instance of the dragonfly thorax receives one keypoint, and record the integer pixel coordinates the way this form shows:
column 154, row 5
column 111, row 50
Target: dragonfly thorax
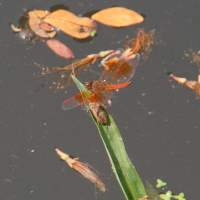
column 98, row 86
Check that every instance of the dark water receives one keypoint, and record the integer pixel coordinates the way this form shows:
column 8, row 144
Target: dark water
column 159, row 124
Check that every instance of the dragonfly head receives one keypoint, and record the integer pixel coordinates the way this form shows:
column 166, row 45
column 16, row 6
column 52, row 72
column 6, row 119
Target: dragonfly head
column 88, row 85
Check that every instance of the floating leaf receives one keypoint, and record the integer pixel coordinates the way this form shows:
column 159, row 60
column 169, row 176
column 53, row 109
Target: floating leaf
column 117, row 17
column 35, row 19
column 160, row 183
column 166, row 196
column 71, row 24
column 92, row 34
column 41, row 13
column 46, row 27
column 59, row 48
column 180, row 196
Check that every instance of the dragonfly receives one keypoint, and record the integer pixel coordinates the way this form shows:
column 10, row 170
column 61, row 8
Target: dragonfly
column 119, row 68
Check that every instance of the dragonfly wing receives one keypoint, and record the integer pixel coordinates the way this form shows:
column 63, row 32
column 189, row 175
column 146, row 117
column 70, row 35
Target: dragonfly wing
column 107, row 96
column 126, row 70
column 100, row 97
column 75, row 100
column 111, row 63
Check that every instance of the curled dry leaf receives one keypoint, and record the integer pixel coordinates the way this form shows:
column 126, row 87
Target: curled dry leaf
column 83, row 168
column 194, row 85
column 142, row 42
column 59, row 48
column 37, row 25
column 118, row 17
column 71, row 24
column 15, row 29
column 62, row 75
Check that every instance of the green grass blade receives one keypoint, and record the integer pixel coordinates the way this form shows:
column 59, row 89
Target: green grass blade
column 125, row 172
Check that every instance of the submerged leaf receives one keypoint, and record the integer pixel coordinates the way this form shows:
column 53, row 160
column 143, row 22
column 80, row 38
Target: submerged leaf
column 151, row 191
column 117, row 17
column 71, row 24
column 59, row 48
column 36, row 23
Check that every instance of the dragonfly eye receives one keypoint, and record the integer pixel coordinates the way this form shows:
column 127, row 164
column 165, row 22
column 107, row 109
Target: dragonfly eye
column 88, row 85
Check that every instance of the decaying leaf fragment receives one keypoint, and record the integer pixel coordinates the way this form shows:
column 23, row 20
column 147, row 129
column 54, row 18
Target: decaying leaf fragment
column 63, row 74
column 194, row 85
column 83, row 169
column 59, row 48
column 195, row 56
column 38, row 26
column 15, row 29
column 142, row 42
column 117, row 17
column 71, row 24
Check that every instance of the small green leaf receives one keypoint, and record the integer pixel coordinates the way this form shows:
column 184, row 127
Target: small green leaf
column 160, row 183
column 92, row 34
column 166, row 196
column 180, row 196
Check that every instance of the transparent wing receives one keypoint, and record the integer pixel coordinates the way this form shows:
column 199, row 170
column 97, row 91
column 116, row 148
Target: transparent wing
column 111, row 63
column 75, row 100
column 126, row 70
column 100, row 97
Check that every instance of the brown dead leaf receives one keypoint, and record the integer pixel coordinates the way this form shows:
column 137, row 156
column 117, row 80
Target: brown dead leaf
column 46, row 27
column 36, row 23
column 117, row 17
column 59, row 48
column 71, row 24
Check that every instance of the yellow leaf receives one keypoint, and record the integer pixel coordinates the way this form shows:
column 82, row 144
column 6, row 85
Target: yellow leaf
column 34, row 22
column 117, row 17
column 71, row 24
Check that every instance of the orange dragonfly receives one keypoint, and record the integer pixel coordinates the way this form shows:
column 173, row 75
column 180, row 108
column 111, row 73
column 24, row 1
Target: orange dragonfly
column 119, row 68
